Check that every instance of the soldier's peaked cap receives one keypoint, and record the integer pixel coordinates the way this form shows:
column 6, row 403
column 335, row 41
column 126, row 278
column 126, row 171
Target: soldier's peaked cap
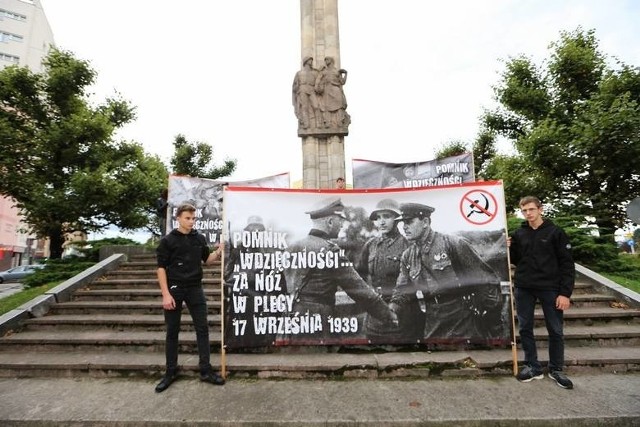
column 385, row 205
column 327, row 207
column 415, row 210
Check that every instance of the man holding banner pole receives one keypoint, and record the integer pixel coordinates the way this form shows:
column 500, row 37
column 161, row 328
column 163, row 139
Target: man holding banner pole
column 180, row 255
column 545, row 272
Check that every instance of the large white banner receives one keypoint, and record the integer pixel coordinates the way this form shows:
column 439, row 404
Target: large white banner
column 298, row 273
column 445, row 171
column 206, row 196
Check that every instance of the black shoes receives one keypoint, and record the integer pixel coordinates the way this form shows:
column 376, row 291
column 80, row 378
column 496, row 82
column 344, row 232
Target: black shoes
column 166, row 381
column 529, row 374
column 212, row 378
column 561, row 379
column 170, row 377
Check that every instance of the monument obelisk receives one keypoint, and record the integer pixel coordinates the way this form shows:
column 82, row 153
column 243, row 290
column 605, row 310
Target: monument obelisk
column 318, row 97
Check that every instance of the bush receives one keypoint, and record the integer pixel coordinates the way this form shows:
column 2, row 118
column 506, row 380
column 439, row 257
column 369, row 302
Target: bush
column 57, row 270
column 92, row 248
column 628, row 266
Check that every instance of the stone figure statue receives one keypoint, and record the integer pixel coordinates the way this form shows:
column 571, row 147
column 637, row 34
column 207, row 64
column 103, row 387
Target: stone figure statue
column 305, row 100
column 331, row 99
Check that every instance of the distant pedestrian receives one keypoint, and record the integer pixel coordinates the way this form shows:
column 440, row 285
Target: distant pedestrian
column 340, row 183
column 545, row 272
column 161, row 210
column 180, row 255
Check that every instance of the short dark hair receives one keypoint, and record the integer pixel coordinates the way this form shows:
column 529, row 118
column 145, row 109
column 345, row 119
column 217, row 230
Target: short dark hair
column 340, row 179
column 530, row 199
column 185, row 207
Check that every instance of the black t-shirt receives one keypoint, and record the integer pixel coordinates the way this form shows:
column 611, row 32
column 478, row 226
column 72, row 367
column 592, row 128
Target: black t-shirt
column 182, row 255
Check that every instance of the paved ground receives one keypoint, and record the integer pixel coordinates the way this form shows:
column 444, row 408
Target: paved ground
column 9, row 288
column 598, row 399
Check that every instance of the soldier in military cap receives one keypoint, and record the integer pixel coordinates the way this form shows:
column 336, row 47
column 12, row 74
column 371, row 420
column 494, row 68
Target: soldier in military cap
column 380, row 266
column 444, row 276
column 315, row 288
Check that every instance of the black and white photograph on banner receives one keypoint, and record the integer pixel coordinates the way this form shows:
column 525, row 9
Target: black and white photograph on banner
column 445, row 171
column 386, row 266
column 206, row 196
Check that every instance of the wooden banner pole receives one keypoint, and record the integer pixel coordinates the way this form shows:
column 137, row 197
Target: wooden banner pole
column 223, row 347
column 514, row 348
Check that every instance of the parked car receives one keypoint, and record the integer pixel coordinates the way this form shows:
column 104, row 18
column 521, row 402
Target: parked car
column 16, row 274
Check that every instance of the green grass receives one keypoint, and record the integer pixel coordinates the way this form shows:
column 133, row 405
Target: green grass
column 16, row 300
column 629, row 275
column 634, row 285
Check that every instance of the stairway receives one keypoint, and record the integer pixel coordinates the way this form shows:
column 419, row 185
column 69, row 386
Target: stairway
column 114, row 326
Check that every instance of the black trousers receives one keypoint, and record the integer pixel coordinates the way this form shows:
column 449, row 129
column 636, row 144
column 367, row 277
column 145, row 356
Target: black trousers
column 196, row 302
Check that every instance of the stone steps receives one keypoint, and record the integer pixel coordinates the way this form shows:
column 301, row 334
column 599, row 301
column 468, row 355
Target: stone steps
column 123, row 307
column 585, row 315
column 99, row 339
column 150, row 273
column 132, row 294
column 114, row 326
column 592, row 315
column 140, row 331
column 134, row 291
column 128, row 322
column 308, row 365
column 146, row 283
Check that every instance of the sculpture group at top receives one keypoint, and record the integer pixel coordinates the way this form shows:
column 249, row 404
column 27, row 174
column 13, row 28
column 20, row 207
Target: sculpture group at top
column 318, row 99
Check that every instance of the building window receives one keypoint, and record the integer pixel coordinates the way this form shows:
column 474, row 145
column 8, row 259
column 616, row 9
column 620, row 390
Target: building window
column 7, row 37
column 9, row 58
column 12, row 15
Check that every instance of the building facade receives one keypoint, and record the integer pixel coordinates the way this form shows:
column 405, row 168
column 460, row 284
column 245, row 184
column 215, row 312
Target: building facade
column 25, row 39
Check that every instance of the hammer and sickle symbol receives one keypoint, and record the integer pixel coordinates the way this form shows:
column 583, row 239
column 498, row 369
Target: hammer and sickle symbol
column 480, row 211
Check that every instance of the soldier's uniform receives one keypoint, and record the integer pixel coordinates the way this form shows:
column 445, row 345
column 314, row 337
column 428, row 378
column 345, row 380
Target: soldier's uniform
column 315, row 289
column 445, row 276
column 380, row 266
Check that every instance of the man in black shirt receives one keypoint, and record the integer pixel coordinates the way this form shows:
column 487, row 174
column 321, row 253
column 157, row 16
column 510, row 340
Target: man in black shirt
column 180, row 256
column 545, row 271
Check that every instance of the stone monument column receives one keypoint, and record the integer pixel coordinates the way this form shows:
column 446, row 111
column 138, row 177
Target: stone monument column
column 318, row 96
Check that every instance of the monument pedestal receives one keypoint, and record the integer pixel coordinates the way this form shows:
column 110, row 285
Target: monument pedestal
column 323, row 161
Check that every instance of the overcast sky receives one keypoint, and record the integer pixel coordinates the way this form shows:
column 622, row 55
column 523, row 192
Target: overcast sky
column 420, row 72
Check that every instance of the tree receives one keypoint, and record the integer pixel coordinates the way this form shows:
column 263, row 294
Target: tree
column 450, row 149
column 59, row 160
column 574, row 122
column 193, row 159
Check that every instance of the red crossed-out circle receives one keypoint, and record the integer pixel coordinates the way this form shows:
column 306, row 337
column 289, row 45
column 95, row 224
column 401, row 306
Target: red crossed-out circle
column 478, row 207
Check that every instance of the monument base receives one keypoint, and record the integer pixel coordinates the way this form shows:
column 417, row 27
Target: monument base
column 323, row 133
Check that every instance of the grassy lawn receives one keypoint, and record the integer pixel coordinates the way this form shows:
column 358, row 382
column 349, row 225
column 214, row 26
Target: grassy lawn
column 634, row 285
column 630, row 277
column 16, row 300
